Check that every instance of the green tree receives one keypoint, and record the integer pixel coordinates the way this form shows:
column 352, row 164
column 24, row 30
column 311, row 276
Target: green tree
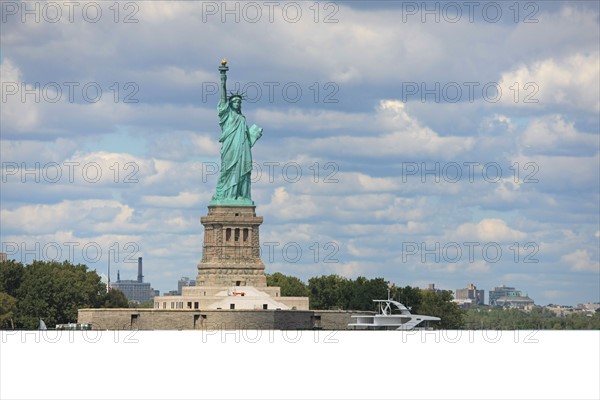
column 8, row 308
column 360, row 293
column 436, row 304
column 585, row 321
column 290, row 285
column 55, row 291
column 441, row 305
column 500, row 319
column 327, row 291
column 410, row 296
column 145, row 304
column 11, row 275
column 538, row 318
column 334, row 291
column 115, row 299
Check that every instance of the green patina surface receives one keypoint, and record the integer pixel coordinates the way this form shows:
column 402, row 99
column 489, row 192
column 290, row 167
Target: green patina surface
column 237, row 139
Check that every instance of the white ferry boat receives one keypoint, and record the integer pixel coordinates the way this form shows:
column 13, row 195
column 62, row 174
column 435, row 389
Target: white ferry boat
column 387, row 320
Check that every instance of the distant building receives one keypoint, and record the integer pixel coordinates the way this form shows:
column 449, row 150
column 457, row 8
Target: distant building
column 521, row 302
column 3, row 257
column 469, row 296
column 504, row 296
column 431, row 288
column 560, row 311
column 181, row 283
column 502, row 291
column 137, row 290
column 464, row 303
column 589, row 306
column 184, row 281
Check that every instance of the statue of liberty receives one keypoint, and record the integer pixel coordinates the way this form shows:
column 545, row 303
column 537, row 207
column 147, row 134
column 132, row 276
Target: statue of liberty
column 233, row 186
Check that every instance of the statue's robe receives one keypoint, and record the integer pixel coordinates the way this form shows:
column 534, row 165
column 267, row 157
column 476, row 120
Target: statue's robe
column 236, row 158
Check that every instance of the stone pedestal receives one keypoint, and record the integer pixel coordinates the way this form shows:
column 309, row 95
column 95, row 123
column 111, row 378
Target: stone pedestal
column 231, row 251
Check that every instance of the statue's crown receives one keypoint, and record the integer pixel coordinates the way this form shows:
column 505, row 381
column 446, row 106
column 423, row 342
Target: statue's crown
column 241, row 96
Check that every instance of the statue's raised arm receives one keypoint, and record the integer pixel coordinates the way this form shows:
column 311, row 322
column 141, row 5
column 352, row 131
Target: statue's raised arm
column 233, row 186
column 223, row 71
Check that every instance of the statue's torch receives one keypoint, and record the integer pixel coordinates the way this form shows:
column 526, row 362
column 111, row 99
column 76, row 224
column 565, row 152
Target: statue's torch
column 223, row 68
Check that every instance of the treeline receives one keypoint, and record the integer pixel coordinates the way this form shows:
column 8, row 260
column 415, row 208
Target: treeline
column 538, row 318
column 51, row 291
column 335, row 292
column 54, row 291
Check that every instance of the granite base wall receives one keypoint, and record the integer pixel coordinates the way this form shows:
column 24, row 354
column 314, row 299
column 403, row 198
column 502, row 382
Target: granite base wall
column 336, row 320
column 151, row 319
column 155, row 319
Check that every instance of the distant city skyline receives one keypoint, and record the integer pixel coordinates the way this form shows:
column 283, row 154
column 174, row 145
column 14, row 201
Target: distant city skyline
column 186, row 281
column 135, row 290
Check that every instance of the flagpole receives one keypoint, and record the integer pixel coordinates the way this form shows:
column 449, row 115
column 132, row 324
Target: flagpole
column 108, row 284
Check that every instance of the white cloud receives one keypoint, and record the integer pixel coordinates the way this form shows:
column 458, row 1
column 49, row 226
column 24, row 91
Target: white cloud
column 478, row 267
column 557, row 173
column 16, row 114
column 32, row 151
column 181, row 200
column 285, row 207
column 553, row 135
column 487, row 230
column 553, row 295
column 88, row 215
column 402, row 136
column 570, row 81
column 581, row 261
column 313, row 120
column 520, row 278
column 352, row 269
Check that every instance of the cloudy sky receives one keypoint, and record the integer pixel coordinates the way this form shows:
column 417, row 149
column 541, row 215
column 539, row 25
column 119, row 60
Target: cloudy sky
column 419, row 142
